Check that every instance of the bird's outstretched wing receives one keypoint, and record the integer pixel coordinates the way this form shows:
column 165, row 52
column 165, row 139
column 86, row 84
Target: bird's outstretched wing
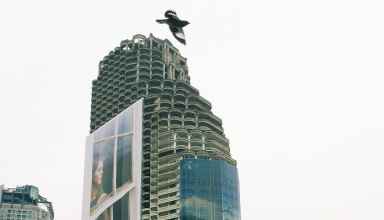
column 161, row 21
column 183, row 23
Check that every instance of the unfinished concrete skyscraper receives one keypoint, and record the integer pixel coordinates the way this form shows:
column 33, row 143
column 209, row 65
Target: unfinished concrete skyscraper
column 187, row 171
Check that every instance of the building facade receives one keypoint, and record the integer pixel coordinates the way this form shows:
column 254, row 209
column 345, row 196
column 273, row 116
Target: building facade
column 24, row 203
column 187, row 171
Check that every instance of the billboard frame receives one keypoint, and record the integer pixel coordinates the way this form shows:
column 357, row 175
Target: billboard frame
column 135, row 112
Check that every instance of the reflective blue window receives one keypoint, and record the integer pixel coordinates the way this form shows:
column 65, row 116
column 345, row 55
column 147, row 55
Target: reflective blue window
column 209, row 189
column 124, row 160
column 125, row 122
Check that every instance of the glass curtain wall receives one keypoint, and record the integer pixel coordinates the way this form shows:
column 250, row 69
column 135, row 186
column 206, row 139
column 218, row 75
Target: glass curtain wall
column 209, row 189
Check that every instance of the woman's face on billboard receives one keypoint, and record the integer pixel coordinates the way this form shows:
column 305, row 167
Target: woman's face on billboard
column 98, row 178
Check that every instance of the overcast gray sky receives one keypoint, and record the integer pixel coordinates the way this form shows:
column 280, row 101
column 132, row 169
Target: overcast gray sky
column 298, row 84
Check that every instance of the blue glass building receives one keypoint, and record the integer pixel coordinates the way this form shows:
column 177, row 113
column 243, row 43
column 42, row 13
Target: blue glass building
column 209, row 189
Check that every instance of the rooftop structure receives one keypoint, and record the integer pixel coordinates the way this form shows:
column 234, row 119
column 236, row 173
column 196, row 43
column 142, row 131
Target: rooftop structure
column 24, row 203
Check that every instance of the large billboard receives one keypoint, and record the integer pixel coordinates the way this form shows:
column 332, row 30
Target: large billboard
column 112, row 171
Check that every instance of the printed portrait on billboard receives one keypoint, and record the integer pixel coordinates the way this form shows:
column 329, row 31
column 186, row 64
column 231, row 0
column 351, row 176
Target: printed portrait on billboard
column 112, row 188
column 102, row 172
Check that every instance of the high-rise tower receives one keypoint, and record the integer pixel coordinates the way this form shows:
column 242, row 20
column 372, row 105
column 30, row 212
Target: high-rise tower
column 186, row 169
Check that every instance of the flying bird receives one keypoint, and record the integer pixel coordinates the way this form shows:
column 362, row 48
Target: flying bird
column 175, row 25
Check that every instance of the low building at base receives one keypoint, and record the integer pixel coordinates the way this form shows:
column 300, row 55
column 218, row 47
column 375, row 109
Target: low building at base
column 24, row 203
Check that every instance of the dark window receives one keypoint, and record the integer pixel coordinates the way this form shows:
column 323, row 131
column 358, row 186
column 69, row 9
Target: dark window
column 124, row 160
column 121, row 208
